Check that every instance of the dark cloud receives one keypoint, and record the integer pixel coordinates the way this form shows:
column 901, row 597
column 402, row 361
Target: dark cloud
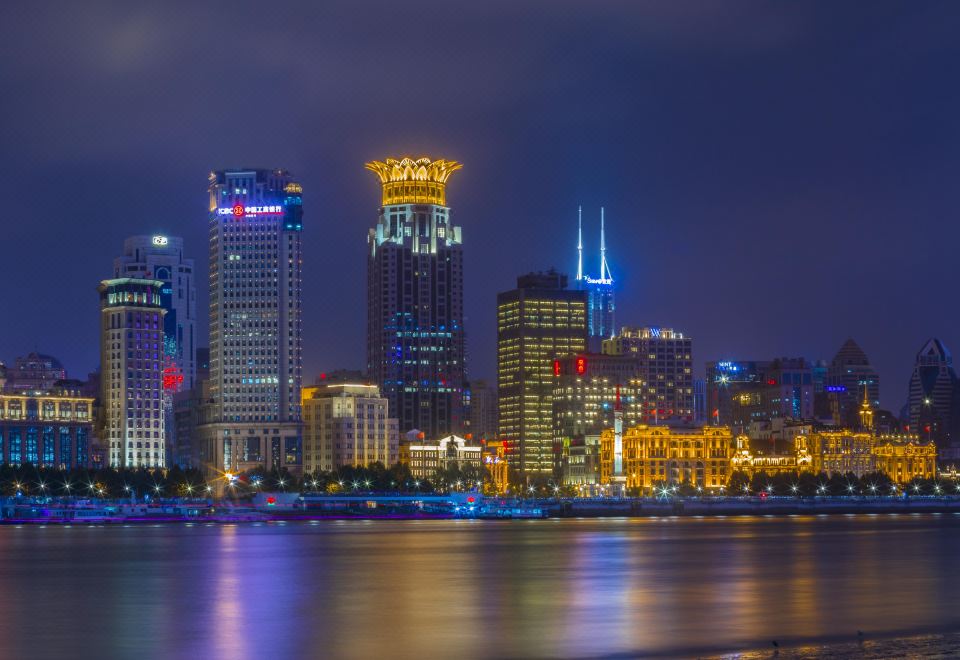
column 777, row 176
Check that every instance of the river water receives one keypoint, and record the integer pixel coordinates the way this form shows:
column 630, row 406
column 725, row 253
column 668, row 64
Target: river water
column 680, row 587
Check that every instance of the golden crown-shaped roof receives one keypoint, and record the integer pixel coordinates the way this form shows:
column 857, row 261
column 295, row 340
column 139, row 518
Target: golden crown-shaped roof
column 408, row 169
column 409, row 181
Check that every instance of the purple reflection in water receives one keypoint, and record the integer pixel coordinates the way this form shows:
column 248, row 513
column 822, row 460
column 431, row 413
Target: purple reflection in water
column 428, row 589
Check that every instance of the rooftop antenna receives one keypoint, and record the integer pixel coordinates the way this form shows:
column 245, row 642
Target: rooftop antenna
column 604, row 269
column 579, row 243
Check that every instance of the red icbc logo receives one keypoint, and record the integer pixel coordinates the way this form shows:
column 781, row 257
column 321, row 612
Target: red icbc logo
column 238, row 210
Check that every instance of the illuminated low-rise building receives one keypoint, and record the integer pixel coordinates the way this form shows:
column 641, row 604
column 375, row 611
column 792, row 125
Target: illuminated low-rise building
column 746, row 461
column 495, row 461
column 661, row 455
column 425, row 457
column 581, row 461
column 841, row 452
column 347, row 424
column 903, row 458
column 52, row 428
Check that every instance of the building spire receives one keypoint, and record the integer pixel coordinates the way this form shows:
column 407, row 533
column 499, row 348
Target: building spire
column 604, row 268
column 866, row 410
column 579, row 243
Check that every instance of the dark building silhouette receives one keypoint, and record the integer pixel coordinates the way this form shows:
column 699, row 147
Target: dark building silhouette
column 933, row 398
column 849, row 373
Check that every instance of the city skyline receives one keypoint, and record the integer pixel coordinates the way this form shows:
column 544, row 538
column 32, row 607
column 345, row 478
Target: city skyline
column 763, row 184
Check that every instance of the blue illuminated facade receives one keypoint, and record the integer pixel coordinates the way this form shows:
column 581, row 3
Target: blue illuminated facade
column 601, row 305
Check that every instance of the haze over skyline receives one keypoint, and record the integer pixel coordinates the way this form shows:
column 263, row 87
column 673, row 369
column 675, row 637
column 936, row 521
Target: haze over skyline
column 772, row 184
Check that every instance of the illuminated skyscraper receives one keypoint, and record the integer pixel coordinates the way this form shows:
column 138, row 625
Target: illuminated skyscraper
column 255, row 321
column 600, row 302
column 537, row 323
column 161, row 258
column 666, row 366
column 131, row 371
column 415, row 340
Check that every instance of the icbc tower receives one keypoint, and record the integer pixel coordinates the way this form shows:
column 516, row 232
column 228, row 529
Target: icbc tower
column 415, row 340
column 256, row 218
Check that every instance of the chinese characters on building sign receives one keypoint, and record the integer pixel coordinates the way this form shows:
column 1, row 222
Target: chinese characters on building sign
column 240, row 210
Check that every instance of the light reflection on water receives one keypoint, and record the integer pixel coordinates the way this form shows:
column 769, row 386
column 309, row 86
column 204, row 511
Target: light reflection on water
column 569, row 588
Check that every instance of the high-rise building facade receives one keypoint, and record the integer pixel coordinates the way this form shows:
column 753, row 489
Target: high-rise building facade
column 666, row 366
column 481, row 413
column 600, row 300
column 131, row 372
column 347, row 424
column 743, row 392
column 538, row 322
column 415, row 336
column 849, row 374
column 933, row 397
column 161, row 258
column 35, row 372
column 587, row 390
column 256, row 218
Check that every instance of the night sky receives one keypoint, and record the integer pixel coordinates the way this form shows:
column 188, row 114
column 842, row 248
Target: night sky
column 777, row 176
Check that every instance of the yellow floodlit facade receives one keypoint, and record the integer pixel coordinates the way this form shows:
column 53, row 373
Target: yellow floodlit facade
column 495, row 461
column 744, row 460
column 903, row 458
column 409, row 181
column 661, row 455
column 841, row 452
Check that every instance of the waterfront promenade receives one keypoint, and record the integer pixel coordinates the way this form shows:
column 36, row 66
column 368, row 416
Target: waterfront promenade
column 373, row 506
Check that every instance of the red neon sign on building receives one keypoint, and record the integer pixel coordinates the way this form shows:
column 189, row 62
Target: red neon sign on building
column 581, row 365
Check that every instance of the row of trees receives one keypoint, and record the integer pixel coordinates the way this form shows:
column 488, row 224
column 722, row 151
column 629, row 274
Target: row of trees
column 38, row 481
column 372, row 478
column 110, row 483
column 807, row 484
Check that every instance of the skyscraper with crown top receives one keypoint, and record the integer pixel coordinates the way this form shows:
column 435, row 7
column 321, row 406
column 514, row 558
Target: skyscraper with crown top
column 415, row 340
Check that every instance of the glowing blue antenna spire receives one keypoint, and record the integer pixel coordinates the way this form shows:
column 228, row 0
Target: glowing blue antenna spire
column 579, row 243
column 604, row 268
